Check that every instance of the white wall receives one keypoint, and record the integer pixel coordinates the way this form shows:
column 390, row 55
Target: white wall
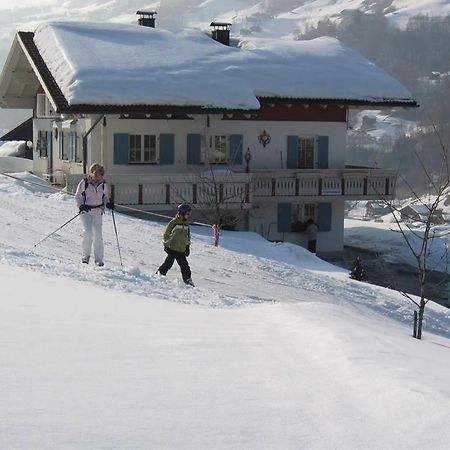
column 263, row 220
column 273, row 156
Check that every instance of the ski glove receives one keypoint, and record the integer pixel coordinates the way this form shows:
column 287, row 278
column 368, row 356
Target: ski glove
column 84, row 208
column 110, row 205
column 187, row 252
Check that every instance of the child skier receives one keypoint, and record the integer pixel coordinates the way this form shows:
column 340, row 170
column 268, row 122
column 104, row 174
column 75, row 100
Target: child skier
column 177, row 240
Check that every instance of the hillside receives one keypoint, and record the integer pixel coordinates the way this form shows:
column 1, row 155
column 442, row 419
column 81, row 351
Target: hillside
column 274, row 348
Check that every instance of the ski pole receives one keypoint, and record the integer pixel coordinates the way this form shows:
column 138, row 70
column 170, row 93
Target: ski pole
column 53, row 232
column 117, row 237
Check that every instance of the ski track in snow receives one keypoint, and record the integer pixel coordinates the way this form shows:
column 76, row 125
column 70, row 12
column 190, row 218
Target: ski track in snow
column 26, row 211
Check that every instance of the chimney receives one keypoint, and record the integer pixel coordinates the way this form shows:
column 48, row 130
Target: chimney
column 221, row 32
column 146, row 18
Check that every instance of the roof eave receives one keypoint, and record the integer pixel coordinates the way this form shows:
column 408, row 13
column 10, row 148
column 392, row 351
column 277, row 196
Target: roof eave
column 409, row 103
column 62, row 106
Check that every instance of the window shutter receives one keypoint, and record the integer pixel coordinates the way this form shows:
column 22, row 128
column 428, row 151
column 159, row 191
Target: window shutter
column 61, row 144
column 322, row 155
column 121, row 148
column 236, row 144
column 167, row 148
column 292, row 152
column 193, row 149
column 324, row 216
column 49, row 144
column 72, row 146
column 284, row 217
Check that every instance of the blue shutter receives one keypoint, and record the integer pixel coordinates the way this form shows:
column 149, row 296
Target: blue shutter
column 193, row 149
column 72, row 155
column 61, row 144
column 76, row 156
column 121, row 148
column 292, row 152
column 322, row 154
column 324, row 216
column 49, row 153
column 236, row 149
column 284, row 217
column 166, row 148
column 49, row 144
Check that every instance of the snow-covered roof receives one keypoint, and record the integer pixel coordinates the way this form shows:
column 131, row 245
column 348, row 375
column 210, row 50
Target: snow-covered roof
column 118, row 64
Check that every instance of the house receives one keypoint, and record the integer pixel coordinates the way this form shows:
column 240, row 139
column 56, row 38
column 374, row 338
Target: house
column 376, row 208
column 421, row 213
column 22, row 133
column 256, row 134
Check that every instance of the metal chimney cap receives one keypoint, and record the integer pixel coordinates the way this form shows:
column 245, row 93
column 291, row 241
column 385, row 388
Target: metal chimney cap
column 220, row 24
column 146, row 13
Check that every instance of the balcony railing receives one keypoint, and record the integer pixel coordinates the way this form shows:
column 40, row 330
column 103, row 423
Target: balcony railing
column 241, row 189
column 348, row 183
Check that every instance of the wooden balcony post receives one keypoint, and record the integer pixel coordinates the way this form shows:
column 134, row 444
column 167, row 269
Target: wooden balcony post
column 167, row 194
column 140, row 195
column 194, row 193
column 247, row 192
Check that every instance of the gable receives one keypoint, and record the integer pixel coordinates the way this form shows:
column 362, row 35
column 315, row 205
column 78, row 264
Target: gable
column 18, row 82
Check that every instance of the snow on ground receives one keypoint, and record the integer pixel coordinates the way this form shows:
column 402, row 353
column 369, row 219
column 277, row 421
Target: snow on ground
column 13, row 164
column 384, row 127
column 12, row 148
column 274, row 348
column 382, row 235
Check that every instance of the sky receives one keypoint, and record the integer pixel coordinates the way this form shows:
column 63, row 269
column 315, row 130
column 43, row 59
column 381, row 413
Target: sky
column 273, row 348
column 17, row 4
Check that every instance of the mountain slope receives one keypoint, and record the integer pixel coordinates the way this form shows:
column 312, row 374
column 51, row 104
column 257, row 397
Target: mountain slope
column 274, row 348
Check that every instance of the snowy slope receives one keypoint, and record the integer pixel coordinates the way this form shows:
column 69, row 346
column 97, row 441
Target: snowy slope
column 275, row 349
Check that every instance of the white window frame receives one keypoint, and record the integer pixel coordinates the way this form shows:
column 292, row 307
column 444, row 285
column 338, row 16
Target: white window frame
column 304, row 211
column 221, row 141
column 154, row 155
column 74, row 148
column 302, row 140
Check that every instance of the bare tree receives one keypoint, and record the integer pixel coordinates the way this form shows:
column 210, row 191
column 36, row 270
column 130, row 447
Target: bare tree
column 221, row 196
column 420, row 240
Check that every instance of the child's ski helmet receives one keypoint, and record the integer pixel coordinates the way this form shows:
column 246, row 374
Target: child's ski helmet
column 184, row 209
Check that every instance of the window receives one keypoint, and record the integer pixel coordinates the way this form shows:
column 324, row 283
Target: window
column 305, row 153
column 219, row 151
column 64, row 147
column 41, row 147
column 74, row 153
column 142, row 149
column 301, row 213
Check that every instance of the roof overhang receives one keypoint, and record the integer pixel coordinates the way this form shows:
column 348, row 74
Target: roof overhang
column 18, row 81
column 25, row 74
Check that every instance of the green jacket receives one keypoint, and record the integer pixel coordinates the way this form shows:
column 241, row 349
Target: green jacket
column 177, row 235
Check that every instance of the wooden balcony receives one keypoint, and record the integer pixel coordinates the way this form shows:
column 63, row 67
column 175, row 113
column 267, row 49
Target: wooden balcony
column 240, row 190
column 352, row 184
